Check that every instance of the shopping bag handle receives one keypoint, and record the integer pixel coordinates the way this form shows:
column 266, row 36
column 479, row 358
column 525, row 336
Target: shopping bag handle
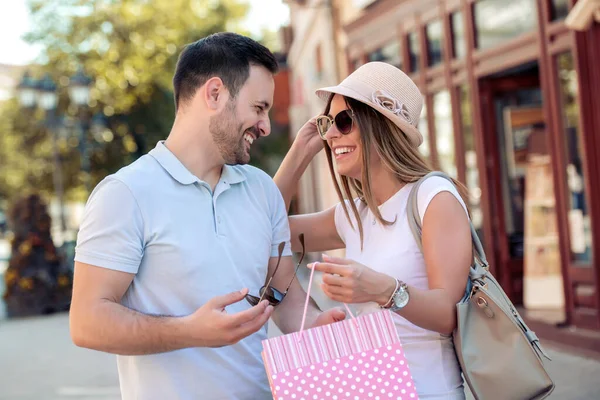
column 310, row 280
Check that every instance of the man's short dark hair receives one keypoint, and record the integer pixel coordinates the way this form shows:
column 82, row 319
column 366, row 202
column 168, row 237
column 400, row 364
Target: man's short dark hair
column 225, row 55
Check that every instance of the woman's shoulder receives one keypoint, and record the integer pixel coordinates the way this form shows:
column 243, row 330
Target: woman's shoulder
column 431, row 187
column 436, row 182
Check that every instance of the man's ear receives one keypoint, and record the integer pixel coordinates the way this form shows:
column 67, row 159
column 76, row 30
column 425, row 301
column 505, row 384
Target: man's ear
column 215, row 93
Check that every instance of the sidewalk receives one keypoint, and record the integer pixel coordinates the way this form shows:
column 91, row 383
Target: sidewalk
column 38, row 361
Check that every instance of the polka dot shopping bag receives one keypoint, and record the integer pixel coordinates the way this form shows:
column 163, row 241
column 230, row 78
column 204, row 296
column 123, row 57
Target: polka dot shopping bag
column 356, row 359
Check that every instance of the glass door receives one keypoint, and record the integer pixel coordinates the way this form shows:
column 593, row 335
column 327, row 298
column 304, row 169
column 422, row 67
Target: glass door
column 526, row 234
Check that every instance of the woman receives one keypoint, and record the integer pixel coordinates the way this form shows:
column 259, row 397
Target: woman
column 370, row 137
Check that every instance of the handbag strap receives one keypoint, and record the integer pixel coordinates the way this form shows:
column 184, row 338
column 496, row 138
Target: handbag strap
column 478, row 269
column 310, row 280
column 414, row 222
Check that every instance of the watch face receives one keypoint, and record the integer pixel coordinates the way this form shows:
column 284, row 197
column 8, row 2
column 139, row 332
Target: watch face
column 401, row 299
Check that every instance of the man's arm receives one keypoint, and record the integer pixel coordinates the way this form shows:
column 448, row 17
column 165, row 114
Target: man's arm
column 109, row 251
column 98, row 321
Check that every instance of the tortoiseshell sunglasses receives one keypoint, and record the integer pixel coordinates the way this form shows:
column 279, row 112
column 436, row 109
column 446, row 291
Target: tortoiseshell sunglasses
column 269, row 293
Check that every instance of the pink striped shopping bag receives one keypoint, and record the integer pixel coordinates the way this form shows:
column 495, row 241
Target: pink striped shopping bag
column 358, row 359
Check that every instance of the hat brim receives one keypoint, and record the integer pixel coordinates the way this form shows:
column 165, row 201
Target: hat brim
column 409, row 130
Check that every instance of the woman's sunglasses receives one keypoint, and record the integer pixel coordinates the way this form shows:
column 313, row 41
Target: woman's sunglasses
column 343, row 122
column 268, row 292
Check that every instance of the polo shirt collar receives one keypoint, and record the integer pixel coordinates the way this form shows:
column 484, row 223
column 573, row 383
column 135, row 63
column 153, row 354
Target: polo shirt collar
column 231, row 174
column 181, row 174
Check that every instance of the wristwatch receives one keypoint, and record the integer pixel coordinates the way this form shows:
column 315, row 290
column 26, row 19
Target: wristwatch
column 399, row 298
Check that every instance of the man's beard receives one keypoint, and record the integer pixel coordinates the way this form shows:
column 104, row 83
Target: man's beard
column 228, row 135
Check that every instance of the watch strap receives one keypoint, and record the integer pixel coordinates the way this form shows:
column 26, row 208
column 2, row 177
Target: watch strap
column 390, row 302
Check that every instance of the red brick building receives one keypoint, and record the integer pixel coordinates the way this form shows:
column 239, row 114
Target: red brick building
column 511, row 110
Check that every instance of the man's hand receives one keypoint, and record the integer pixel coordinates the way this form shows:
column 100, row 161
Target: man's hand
column 330, row 316
column 212, row 326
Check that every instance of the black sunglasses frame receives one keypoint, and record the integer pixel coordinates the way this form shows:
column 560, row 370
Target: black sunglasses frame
column 329, row 121
column 269, row 293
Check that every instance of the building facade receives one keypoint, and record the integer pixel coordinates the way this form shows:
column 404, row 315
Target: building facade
column 510, row 111
column 317, row 58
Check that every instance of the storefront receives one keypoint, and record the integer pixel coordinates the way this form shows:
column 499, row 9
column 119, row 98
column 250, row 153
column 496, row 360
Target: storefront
column 510, row 110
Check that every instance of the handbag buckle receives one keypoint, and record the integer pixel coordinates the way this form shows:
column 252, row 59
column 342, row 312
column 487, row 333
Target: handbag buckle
column 483, row 304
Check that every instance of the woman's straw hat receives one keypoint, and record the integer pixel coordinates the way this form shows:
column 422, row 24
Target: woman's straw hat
column 388, row 90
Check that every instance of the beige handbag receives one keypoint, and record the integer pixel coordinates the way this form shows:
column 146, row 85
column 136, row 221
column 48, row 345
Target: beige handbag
column 500, row 357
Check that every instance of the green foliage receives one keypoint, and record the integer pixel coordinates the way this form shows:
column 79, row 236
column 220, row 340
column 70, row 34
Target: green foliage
column 25, row 151
column 130, row 48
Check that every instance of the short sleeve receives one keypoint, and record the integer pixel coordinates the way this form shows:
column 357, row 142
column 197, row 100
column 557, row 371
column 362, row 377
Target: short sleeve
column 342, row 225
column 341, row 222
column 111, row 234
column 279, row 222
column 430, row 188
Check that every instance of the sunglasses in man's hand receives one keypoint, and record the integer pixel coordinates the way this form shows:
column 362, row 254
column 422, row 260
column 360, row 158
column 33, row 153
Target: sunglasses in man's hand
column 268, row 292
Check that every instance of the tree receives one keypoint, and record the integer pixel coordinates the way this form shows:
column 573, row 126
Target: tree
column 130, row 48
column 25, row 152
column 37, row 282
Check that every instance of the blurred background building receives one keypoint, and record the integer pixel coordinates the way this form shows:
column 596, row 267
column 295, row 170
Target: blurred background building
column 510, row 110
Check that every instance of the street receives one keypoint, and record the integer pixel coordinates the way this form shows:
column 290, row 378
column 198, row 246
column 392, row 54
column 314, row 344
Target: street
column 39, row 362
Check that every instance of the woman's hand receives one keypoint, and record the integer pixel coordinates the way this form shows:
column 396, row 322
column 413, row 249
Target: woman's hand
column 309, row 139
column 347, row 281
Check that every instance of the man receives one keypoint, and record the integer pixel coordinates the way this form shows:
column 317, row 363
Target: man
column 170, row 245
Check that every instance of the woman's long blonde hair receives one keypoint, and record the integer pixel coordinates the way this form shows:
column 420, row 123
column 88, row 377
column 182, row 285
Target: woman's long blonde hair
column 394, row 149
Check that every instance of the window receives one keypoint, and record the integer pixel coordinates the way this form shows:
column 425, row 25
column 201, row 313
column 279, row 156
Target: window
column 376, row 55
column 389, row 53
column 472, row 172
column 444, row 132
column 559, row 9
column 414, row 51
column 497, row 21
column 459, row 44
column 433, row 32
column 579, row 218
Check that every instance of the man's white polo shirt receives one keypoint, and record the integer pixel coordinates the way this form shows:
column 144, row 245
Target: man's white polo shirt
column 185, row 245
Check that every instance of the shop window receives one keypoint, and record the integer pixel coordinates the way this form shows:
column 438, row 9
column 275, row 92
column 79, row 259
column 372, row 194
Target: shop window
column 424, row 129
column 444, row 132
column 389, row 53
column 559, row 9
column 579, row 217
column 472, row 171
column 497, row 21
column 414, row 51
column 459, row 43
column 433, row 33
